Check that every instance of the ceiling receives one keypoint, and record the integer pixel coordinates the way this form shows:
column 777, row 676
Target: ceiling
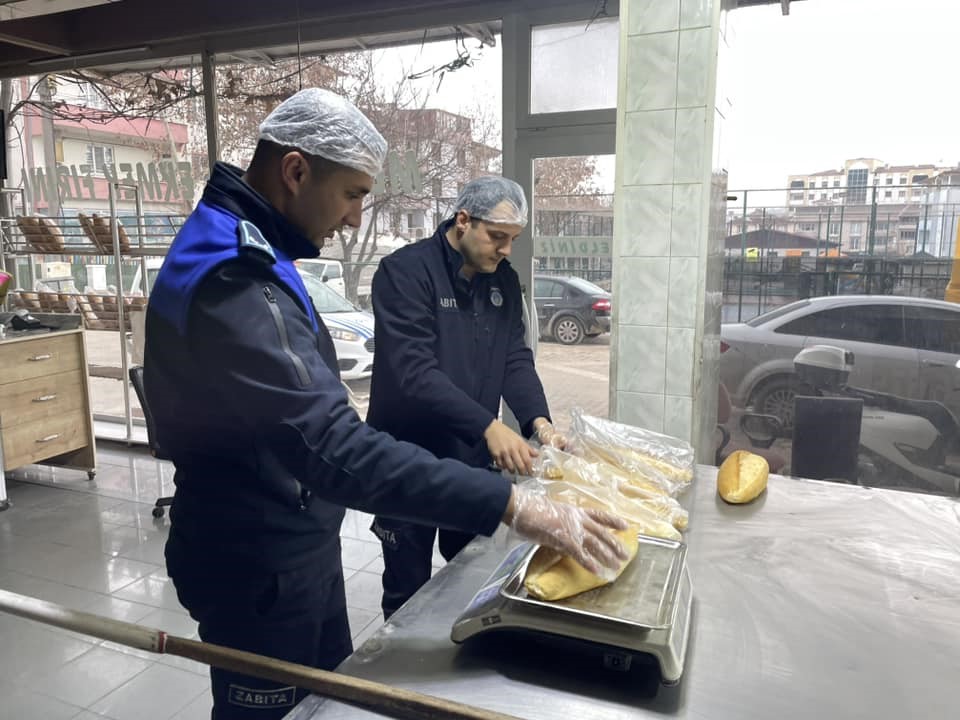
column 55, row 35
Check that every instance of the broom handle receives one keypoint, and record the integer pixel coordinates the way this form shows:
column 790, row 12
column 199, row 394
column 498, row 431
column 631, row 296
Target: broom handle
column 395, row 702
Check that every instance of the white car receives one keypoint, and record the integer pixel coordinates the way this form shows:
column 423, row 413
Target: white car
column 350, row 327
column 329, row 271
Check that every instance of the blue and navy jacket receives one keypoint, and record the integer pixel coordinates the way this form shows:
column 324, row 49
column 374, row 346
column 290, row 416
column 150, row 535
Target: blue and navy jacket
column 241, row 379
column 447, row 351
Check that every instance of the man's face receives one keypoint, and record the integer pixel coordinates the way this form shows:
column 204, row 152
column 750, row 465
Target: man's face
column 324, row 200
column 484, row 244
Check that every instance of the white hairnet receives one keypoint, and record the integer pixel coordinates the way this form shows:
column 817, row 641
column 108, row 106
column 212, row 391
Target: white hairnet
column 494, row 199
column 324, row 124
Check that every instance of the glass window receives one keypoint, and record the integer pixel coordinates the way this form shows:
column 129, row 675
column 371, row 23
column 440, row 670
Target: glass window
column 546, row 288
column 857, row 185
column 325, row 298
column 933, row 329
column 586, row 59
column 585, row 286
column 860, row 323
column 99, row 157
column 778, row 312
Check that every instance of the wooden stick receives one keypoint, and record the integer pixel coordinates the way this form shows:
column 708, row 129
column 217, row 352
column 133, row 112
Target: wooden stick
column 395, row 702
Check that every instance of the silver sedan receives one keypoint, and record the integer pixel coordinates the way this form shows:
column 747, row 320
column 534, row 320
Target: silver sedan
column 903, row 345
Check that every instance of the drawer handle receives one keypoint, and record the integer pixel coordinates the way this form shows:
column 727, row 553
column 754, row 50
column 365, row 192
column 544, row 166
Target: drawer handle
column 38, row 358
column 49, row 438
column 45, row 398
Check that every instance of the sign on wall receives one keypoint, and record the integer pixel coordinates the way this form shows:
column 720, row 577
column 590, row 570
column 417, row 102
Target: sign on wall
column 572, row 246
column 161, row 181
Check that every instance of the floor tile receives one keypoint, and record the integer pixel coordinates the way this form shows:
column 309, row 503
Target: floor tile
column 155, row 589
column 17, row 703
column 360, row 618
column 39, row 649
column 358, row 553
column 198, row 709
column 364, row 591
column 157, row 693
column 91, row 676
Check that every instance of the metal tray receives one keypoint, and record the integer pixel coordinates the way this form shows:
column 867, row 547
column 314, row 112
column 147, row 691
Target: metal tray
column 643, row 596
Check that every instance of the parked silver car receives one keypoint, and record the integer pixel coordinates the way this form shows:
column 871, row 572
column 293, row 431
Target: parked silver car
column 902, row 345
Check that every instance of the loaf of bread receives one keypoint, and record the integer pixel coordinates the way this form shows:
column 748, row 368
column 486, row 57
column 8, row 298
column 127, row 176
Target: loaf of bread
column 637, row 462
column 644, row 519
column 619, row 491
column 551, row 576
column 742, row 477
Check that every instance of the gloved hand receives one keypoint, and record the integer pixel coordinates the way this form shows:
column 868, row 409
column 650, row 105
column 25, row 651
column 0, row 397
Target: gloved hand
column 509, row 451
column 583, row 534
column 547, row 435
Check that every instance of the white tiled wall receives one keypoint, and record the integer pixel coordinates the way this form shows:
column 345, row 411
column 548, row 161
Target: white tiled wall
column 666, row 248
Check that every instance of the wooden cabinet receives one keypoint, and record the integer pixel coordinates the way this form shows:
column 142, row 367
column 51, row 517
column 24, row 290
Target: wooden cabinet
column 45, row 404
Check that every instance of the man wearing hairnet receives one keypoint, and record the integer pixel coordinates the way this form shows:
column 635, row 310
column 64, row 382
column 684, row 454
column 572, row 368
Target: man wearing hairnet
column 450, row 344
column 243, row 384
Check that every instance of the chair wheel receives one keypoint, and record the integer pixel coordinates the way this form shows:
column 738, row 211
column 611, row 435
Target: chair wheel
column 91, row 474
column 157, row 512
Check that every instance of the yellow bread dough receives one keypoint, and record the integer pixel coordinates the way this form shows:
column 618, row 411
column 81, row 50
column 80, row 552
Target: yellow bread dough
column 551, row 576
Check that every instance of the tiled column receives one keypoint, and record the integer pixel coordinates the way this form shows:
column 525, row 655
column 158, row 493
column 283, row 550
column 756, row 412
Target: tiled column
column 669, row 219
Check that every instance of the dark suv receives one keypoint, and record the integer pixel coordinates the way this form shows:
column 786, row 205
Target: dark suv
column 570, row 308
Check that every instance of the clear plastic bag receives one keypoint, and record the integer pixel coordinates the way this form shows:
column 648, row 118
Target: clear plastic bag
column 619, row 493
column 651, row 459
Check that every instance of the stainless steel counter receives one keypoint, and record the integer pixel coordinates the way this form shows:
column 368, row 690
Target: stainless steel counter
column 817, row 601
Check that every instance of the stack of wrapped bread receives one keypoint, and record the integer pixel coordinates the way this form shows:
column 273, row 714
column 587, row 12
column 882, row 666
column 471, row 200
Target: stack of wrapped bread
column 634, row 473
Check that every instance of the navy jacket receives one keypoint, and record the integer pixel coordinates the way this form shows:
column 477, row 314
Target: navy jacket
column 447, row 351
column 241, row 378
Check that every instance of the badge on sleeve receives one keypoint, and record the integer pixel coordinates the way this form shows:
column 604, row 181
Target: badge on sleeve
column 252, row 239
column 496, row 297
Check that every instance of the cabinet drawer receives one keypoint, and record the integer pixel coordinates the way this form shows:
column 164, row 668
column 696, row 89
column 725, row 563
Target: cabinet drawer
column 41, row 439
column 25, row 359
column 43, row 397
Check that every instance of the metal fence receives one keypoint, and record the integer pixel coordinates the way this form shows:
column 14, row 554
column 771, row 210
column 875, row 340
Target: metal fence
column 787, row 244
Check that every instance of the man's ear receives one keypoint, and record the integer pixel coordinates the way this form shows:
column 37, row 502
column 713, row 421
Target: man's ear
column 294, row 171
column 462, row 220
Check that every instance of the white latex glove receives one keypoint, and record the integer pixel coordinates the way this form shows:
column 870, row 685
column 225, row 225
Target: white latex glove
column 583, row 534
column 547, row 435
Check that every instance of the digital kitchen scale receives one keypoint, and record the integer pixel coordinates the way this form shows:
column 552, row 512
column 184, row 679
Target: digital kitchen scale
column 645, row 612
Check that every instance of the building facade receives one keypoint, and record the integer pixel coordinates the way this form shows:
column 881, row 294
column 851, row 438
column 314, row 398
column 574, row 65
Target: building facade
column 66, row 162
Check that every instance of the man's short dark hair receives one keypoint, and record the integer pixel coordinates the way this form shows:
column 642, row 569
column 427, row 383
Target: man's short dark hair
column 267, row 151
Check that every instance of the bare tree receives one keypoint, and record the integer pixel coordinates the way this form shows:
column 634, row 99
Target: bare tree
column 567, row 195
column 432, row 152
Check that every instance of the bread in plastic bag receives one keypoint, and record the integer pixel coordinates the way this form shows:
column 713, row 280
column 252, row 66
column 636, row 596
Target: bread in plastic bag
column 634, row 512
column 664, row 461
column 614, row 488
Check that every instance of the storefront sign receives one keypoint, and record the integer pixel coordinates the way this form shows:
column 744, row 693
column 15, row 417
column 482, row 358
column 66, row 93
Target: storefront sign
column 400, row 176
column 572, row 247
column 163, row 181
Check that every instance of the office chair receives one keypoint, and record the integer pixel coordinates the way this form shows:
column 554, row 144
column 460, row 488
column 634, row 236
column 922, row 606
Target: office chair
column 136, row 379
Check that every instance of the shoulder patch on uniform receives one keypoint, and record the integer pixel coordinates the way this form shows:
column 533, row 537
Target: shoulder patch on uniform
column 251, row 238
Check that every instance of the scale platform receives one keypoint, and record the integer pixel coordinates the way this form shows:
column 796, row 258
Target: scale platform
column 645, row 612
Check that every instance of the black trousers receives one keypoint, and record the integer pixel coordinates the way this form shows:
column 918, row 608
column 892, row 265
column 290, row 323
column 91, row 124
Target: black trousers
column 299, row 615
column 407, row 556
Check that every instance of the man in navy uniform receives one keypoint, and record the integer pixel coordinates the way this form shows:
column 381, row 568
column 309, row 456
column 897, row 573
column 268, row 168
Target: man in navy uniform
column 450, row 344
column 242, row 380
